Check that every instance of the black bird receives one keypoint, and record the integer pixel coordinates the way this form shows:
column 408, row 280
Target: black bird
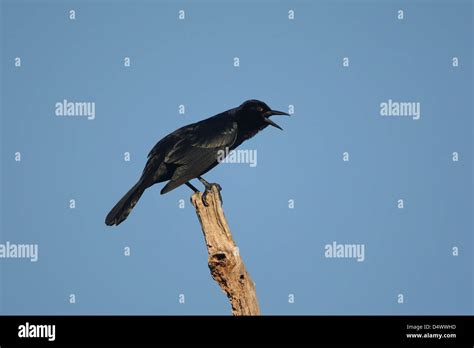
column 193, row 150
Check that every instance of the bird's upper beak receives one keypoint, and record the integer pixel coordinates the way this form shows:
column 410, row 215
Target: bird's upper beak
column 271, row 113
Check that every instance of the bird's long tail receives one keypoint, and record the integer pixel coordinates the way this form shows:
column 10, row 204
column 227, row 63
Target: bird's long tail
column 123, row 208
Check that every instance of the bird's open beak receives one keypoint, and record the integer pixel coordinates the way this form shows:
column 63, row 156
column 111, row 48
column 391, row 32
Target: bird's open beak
column 271, row 113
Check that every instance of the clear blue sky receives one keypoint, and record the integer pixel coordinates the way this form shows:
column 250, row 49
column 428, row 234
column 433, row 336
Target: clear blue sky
column 299, row 62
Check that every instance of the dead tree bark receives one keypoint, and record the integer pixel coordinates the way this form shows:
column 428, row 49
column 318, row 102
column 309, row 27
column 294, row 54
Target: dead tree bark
column 225, row 263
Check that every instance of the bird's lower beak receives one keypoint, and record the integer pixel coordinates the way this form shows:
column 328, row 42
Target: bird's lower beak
column 271, row 113
column 270, row 122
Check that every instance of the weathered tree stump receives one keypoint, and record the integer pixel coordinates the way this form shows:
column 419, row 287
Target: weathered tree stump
column 224, row 260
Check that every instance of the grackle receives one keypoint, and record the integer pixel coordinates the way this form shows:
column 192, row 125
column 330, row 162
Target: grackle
column 193, row 150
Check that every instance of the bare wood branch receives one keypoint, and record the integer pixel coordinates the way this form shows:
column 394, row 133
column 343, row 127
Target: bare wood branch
column 224, row 260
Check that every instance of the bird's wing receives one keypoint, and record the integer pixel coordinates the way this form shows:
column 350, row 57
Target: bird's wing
column 152, row 172
column 199, row 149
column 167, row 143
column 202, row 139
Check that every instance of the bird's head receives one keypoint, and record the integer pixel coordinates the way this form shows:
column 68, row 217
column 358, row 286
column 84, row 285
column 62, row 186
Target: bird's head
column 258, row 113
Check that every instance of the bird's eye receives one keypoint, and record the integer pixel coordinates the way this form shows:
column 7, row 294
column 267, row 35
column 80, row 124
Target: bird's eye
column 259, row 109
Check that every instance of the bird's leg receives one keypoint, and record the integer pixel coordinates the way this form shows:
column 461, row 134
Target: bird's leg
column 191, row 186
column 208, row 187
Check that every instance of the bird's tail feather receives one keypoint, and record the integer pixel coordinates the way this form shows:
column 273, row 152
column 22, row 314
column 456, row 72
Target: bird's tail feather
column 123, row 208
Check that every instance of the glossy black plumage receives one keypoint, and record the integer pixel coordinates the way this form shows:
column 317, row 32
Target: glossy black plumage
column 191, row 151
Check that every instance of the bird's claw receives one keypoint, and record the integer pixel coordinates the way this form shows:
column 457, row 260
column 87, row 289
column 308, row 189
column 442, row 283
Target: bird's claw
column 209, row 189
